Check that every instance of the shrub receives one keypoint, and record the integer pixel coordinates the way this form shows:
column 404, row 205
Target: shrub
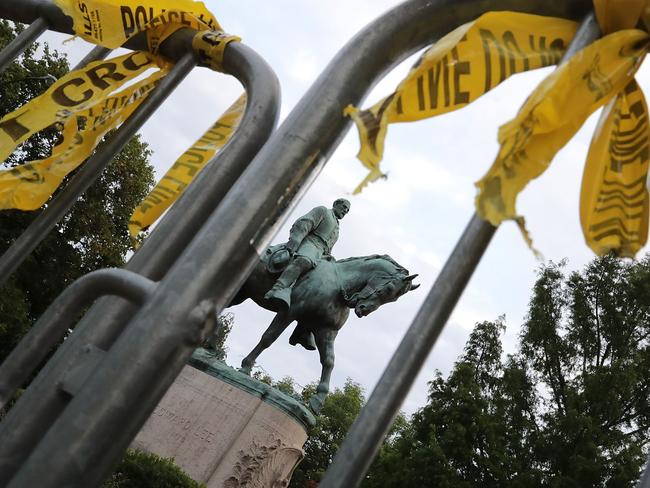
column 144, row 470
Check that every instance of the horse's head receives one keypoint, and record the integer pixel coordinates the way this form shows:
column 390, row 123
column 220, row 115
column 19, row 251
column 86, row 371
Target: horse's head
column 381, row 280
column 379, row 291
column 385, row 282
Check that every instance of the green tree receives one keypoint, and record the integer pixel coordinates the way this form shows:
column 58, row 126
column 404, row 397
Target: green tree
column 92, row 235
column 569, row 409
column 339, row 410
column 216, row 342
column 586, row 338
column 457, row 439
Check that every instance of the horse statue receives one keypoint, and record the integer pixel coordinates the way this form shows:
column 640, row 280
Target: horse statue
column 320, row 304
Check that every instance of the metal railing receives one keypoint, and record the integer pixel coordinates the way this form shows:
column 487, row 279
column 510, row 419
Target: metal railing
column 69, row 428
column 160, row 249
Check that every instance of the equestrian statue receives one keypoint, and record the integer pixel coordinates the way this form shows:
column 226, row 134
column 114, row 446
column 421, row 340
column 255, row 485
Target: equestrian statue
column 302, row 282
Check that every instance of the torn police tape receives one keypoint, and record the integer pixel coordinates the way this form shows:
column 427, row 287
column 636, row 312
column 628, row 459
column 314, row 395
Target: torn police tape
column 85, row 104
column 477, row 56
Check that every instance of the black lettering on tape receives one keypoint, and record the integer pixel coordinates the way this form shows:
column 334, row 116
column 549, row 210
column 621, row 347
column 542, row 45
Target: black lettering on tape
column 128, row 21
column 180, row 185
column 140, row 17
column 185, row 21
column 219, row 125
column 460, row 68
column 155, row 198
column 131, row 62
column 557, row 50
column 420, row 92
column 433, row 78
column 512, row 48
column 488, row 37
column 13, row 128
column 60, row 96
column 87, row 24
column 546, row 56
column 190, row 164
column 99, row 80
column 160, row 186
column 445, row 73
column 372, row 122
column 637, row 109
column 211, row 38
column 212, row 137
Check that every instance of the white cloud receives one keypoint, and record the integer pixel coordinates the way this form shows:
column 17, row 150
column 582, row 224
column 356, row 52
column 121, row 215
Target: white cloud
column 303, row 66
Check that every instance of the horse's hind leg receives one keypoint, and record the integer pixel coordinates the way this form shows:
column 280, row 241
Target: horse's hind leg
column 325, row 344
column 279, row 323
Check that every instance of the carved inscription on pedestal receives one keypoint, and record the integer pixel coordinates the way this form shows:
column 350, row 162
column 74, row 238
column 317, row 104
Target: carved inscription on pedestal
column 185, row 423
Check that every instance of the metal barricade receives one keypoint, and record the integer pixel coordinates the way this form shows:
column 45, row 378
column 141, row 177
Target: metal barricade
column 163, row 245
column 71, row 425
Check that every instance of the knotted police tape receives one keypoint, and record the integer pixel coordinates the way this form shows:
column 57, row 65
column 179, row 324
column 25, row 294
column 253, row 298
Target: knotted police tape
column 86, row 103
column 477, row 56
column 110, row 23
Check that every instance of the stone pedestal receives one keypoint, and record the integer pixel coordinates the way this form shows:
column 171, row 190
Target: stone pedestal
column 225, row 429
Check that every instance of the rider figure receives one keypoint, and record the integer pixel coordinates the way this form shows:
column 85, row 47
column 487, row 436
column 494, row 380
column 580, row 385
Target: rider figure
column 311, row 238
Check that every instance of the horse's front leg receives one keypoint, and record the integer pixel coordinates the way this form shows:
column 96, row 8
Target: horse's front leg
column 279, row 323
column 325, row 344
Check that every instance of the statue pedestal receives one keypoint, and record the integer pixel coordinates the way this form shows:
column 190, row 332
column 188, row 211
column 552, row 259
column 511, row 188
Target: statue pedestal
column 226, row 429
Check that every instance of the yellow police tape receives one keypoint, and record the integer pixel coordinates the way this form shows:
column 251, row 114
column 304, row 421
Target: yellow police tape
column 110, row 23
column 28, row 186
column 84, row 93
column 185, row 169
column 552, row 114
column 458, row 69
column 74, row 92
column 614, row 198
column 210, row 47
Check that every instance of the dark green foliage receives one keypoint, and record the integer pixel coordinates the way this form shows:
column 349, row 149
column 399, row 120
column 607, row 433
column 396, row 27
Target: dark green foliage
column 457, row 439
column 216, row 342
column 14, row 317
column 340, row 409
column 286, row 385
column 570, row 409
column 92, row 235
column 143, row 470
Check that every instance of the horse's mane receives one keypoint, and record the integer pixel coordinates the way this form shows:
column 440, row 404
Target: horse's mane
column 386, row 257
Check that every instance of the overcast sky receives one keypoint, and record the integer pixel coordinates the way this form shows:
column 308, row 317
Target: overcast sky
column 416, row 215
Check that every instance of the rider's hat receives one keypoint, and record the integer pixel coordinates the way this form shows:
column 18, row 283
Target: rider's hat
column 278, row 260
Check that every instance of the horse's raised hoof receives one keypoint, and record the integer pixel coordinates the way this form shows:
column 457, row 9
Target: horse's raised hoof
column 316, row 403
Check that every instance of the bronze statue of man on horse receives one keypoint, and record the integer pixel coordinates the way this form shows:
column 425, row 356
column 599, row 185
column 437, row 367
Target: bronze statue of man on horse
column 302, row 282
